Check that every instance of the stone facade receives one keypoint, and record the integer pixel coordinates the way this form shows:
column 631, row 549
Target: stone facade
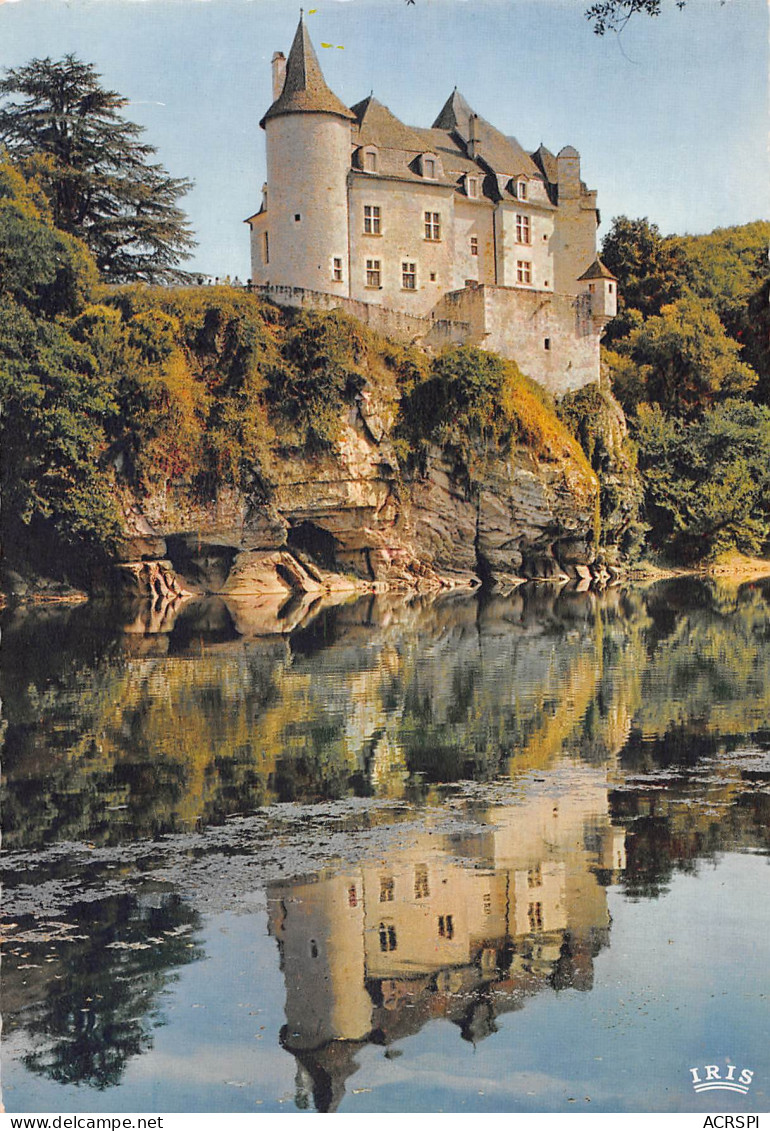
column 456, row 223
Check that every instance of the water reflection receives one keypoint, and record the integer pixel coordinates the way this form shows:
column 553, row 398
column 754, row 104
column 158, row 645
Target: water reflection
column 116, row 730
column 464, row 927
column 580, row 743
column 86, row 989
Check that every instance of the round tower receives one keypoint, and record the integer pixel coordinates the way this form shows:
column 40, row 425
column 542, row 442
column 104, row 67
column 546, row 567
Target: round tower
column 304, row 231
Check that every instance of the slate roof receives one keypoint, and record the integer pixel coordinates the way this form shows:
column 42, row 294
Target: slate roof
column 304, row 89
column 597, row 270
column 546, row 162
column 454, row 115
column 497, row 159
column 378, row 126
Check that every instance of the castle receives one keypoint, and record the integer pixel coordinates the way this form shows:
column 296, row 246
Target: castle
column 448, row 234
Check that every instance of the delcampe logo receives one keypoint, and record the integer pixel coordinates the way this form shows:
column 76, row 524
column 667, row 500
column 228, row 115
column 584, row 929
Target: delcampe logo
column 709, row 1078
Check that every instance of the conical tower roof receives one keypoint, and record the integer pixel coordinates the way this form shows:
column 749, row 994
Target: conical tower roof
column 597, row 270
column 304, row 89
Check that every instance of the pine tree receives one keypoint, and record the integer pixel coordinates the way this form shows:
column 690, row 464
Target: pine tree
column 60, row 125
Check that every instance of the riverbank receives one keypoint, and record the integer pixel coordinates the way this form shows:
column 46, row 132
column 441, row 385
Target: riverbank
column 727, row 566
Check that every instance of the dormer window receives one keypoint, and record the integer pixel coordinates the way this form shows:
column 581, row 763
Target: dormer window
column 472, row 187
column 369, row 160
column 429, row 166
column 521, row 188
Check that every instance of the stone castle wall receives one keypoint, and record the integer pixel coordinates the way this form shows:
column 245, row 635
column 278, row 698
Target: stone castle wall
column 552, row 338
column 434, row 333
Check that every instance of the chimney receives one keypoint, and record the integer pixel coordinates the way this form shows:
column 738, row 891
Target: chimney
column 473, row 139
column 279, row 73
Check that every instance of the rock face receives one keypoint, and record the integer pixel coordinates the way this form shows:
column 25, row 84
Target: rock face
column 597, row 420
column 353, row 520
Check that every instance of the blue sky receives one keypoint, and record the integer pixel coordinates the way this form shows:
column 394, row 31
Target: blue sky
column 671, row 119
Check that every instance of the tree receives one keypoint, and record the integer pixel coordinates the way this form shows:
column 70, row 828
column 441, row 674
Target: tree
column 651, row 272
column 55, row 400
column 681, row 359
column 727, row 266
column 707, row 482
column 613, row 15
column 730, row 269
column 60, row 125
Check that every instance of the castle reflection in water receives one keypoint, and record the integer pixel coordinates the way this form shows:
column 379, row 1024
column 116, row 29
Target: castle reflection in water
column 461, row 926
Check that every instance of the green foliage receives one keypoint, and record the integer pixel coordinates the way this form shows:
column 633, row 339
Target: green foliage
column 613, row 15
column 707, row 481
column 60, row 125
column 651, row 272
column 323, row 367
column 726, row 266
column 56, row 403
column 188, row 364
column 596, row 420
column 45, row 270
column 460, row 398
column 681, row 359
column 474, row 403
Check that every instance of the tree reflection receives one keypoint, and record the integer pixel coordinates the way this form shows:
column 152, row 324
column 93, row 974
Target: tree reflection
column 111, row 738
column 97, row 1000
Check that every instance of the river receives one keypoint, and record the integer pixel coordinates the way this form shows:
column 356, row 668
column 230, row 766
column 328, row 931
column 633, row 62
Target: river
column 464, row 853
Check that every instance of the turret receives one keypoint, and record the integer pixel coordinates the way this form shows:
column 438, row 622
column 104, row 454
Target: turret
column 602, row 286
column 302, row 238
column 568, row 167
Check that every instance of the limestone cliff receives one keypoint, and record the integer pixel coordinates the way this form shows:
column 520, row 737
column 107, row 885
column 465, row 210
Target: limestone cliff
column 265, row 453
column 362, row 516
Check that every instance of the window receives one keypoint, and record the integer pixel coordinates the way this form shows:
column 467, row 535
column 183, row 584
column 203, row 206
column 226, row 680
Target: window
column 546, row 343
column 386, row 889
column 433, row 276
column 297, row 217
column 609, row 287
column 266, row 248
column 591, row 288
column 446, row 927
column 421, row 888
column 535, row 875
column 373, row 273
column 521, row 189
column 474, row 245
column 487, row 903
column 535, row 916
column 372, row 220
column 432, row 226
column 387, row 937
column 313, row 949
column 523, row 271
column 523, row 232
column 337, row 269
column 352, row 896
column 409, row 276
column 472, row 186
column 370, row 161
column 429, row 167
